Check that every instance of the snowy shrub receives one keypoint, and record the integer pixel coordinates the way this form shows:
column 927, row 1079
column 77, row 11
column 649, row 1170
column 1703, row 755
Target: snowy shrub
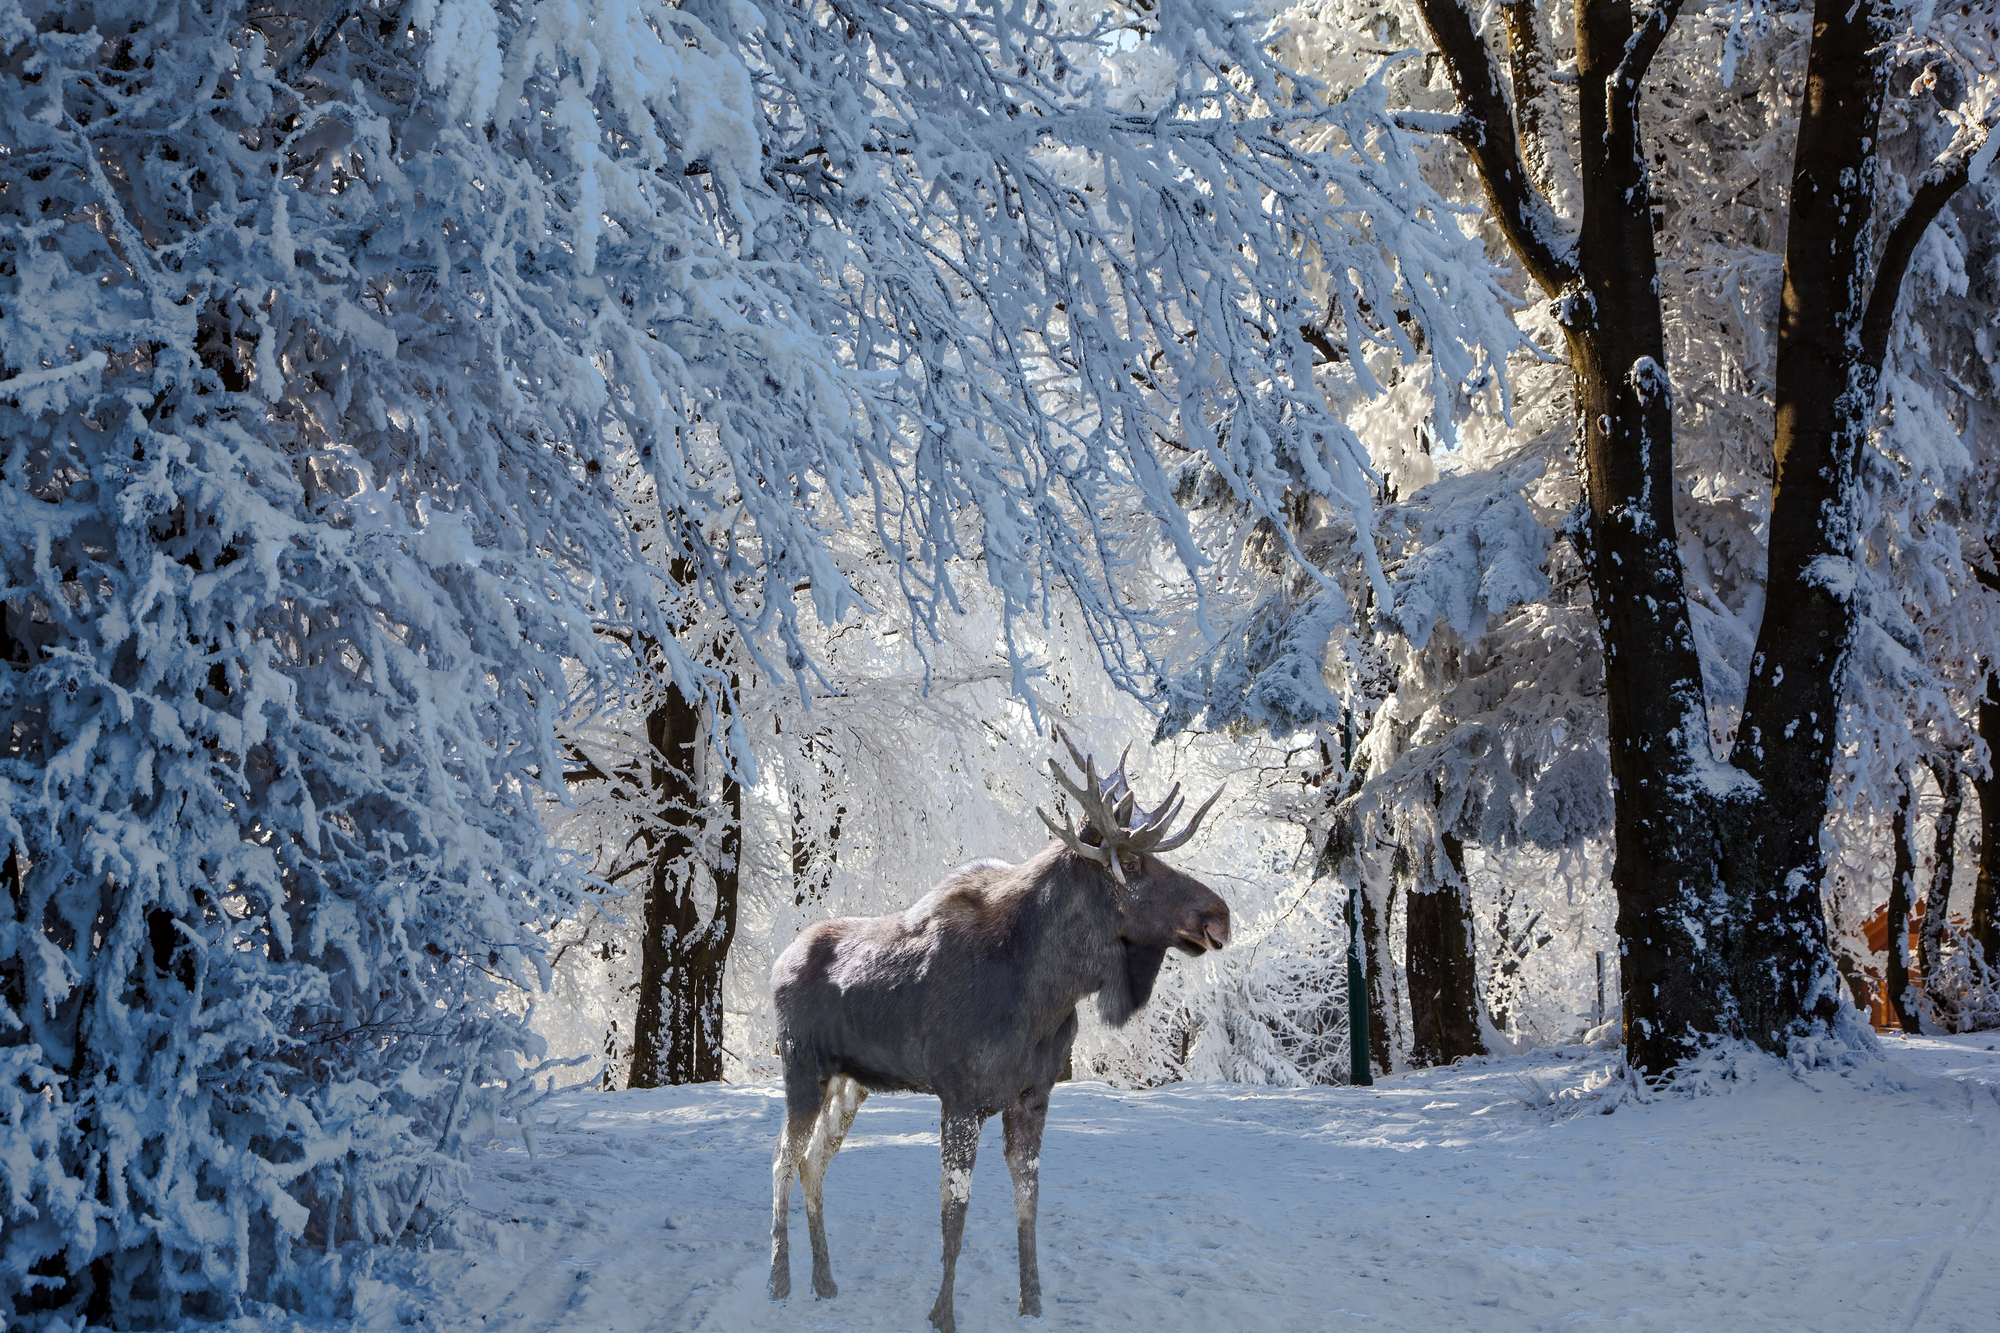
column 290, row 578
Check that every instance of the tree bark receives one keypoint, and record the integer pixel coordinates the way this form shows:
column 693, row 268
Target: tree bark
column 1896, row 968
column 1671, row 918
column 1438, row 952
column 1537, row 110
column 1360, row 1063
column 1943, row 1006
column 1782, row 972
column 1985, row 924
column 1381, row 982
column 1718, row 873
column 677, row 1034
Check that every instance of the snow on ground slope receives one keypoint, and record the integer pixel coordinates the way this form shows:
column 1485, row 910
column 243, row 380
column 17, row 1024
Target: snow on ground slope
column 1494, row 1195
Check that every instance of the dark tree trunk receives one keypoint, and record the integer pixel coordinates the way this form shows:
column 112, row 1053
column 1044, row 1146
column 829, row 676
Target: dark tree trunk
column 1670, row 917
column 1438, row 952
column 1360, row 1064
column 1985, row 924
column 1718, row 879
column 1381, row 982
column 1896, row 968
column 677, row 1034
column 1937, row 896
column 1825, row 396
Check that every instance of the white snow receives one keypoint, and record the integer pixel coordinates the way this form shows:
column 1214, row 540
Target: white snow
column 1441, row 1199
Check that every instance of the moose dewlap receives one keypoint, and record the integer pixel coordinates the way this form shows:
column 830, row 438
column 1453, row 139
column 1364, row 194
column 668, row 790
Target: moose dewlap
column 971, row 995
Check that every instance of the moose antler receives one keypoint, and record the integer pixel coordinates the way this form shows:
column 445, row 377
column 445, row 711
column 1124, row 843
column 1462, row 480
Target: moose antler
column 1109, row 805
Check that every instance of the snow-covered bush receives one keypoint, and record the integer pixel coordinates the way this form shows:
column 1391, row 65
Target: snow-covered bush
column 291, row 575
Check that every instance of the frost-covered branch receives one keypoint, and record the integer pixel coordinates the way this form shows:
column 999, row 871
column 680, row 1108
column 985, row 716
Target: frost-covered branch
column 1537, row 111
column 1488, row 132
column 1949, row 174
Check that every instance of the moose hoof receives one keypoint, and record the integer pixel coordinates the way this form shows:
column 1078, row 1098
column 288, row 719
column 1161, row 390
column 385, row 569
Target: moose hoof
column 941, row 1319
column 1031, row 1307
column 823, row 1287
column 781, row 1284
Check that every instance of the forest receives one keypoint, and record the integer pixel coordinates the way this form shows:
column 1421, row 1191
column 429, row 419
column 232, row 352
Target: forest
column 511, row 511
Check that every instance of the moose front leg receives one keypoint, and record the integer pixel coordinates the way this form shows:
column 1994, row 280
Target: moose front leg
column 1022, row 1125
column 958, row 1145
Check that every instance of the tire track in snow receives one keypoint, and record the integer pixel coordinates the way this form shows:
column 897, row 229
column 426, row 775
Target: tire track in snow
column 1951, row 1251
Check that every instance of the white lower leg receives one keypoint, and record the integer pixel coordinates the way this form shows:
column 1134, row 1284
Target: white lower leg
column 843, row 1099
column 783, row 1166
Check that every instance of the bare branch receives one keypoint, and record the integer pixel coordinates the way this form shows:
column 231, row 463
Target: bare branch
column 1316, row 338
column 1946, row 177
column 1640, row 49
column 1532, row 229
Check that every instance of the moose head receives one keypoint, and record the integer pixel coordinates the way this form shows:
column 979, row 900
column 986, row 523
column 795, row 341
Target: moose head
column 1155, row 906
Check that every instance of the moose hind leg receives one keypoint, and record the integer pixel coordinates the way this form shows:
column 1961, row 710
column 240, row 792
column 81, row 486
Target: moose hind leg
column 1022, row 1125
column 958, row 1144
column 843, row 1098
column 802, row 1105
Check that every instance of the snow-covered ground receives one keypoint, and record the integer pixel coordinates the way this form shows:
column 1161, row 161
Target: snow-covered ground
column 1495, row 1196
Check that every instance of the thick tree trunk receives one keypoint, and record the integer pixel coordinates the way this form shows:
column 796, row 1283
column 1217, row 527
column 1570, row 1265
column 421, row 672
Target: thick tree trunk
column 1718, row 873
column 1360, row 1063
column 1896, row 968
column 678, row 1027
column 1985, row 922
column 1782, row 970
column 1672, row 923
column 1381, row 982
column 1438, row 953
column 1672, row 920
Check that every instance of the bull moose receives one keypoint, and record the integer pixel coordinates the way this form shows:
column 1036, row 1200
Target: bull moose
column 971, row 995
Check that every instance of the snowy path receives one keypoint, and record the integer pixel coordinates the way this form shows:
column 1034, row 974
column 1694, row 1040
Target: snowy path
column 1438, row 1200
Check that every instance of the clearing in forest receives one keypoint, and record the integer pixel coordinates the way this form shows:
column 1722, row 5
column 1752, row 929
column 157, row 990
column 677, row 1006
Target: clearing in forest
column 1494, row 1195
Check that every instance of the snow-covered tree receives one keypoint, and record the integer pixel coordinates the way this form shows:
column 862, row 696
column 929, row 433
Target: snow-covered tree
column 292, row 577
column 1036, row 335
column 1719, row 117
column 328, row 334
column 1719, row 865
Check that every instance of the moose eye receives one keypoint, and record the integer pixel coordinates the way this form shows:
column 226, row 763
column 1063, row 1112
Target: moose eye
column 1129, row 862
